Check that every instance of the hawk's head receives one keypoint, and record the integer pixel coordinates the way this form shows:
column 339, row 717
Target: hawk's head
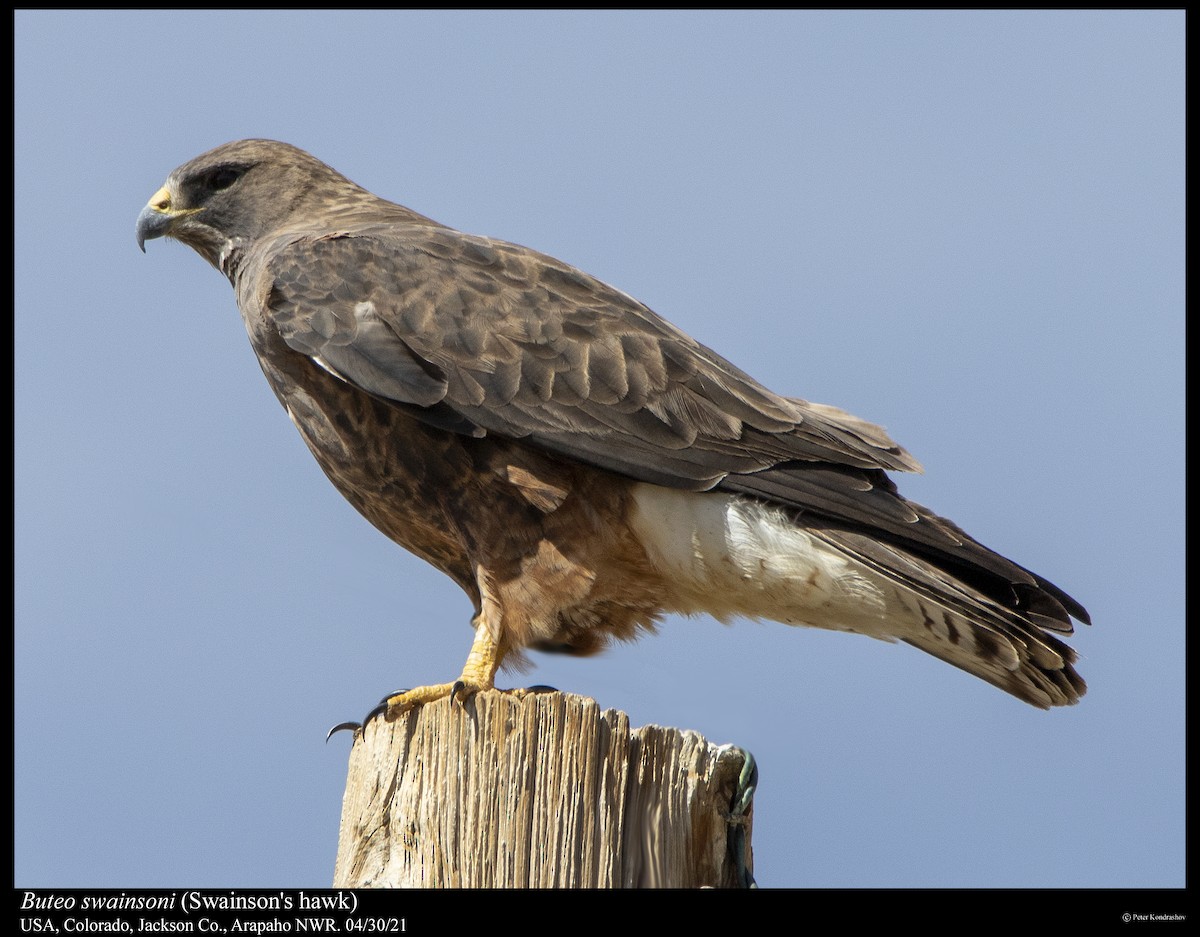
column 238, row 193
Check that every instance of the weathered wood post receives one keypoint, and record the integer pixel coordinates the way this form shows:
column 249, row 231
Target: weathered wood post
column 544, row 791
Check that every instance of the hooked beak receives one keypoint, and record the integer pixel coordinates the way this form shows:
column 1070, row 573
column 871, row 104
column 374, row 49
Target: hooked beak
column 156, row 218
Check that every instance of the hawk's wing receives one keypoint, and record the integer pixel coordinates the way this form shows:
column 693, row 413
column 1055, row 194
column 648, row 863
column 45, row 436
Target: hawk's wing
column 480, row 336
column 527, row 346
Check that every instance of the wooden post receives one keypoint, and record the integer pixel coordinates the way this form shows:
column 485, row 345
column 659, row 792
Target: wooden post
column 545, row 791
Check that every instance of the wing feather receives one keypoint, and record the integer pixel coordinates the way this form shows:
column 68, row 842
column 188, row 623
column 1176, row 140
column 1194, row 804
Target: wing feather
column 536, row 347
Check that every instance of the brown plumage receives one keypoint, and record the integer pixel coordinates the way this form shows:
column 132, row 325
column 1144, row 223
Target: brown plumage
column 576, row 463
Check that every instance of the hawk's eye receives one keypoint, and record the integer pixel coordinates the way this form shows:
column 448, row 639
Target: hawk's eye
column 223, row 177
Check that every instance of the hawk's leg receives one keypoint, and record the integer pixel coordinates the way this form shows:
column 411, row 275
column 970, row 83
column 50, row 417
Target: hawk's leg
column 478, row 674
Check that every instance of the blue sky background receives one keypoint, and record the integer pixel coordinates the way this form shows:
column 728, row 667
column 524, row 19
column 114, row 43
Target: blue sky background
column 968, row 227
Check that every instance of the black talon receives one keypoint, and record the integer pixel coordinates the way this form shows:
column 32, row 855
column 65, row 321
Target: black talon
column 377, row 711
column 352, row 726
column 355, row 726
column 381, row 707
column 541, row 688
column 456, row 690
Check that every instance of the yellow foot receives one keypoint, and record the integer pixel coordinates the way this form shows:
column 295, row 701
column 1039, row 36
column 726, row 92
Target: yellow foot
column 479, row 674
column 460, row 691
column 395, row 703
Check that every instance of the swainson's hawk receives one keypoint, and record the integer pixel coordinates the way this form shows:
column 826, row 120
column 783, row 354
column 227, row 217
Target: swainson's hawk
column 573, row 461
